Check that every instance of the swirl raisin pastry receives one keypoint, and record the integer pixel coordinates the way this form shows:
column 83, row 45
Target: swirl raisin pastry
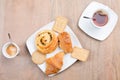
column 65, row 42
column 46, row 41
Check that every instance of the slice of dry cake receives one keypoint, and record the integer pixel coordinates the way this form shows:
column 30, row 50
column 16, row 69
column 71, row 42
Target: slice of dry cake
column 80, row 53
column 60, row 24
column 38, row 58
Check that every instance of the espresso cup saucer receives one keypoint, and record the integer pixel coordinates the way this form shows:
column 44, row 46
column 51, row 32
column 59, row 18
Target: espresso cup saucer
column 96, row 33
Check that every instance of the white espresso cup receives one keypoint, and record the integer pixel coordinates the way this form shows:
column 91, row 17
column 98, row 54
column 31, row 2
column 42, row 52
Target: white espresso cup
column 5, row 47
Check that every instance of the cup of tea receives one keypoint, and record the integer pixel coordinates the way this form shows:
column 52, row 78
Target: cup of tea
column 10, row 50
column 100, row 18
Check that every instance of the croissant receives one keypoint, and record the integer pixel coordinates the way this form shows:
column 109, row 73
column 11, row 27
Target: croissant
column 46, row 41
column 54, row 64
column 65, row 42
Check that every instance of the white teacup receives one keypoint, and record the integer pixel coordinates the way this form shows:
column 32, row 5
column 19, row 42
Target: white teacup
column 5, row 47
column 97, row 16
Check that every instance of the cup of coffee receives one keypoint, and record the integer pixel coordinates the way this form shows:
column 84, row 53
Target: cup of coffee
column 100, row 18
column 10, row 50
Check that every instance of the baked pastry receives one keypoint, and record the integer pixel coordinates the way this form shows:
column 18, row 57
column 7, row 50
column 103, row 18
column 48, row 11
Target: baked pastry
column 60, row 24
column 38, row 58
column 54, row 64
column 80, row 53
column 46, row 41
column 65, row 42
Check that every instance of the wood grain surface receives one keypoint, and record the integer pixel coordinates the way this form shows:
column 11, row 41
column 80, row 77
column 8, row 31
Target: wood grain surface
column 23, row 17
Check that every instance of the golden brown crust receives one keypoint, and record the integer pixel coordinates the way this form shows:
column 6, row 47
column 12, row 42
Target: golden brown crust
column 54, row 64
column 50, row 67
column 65, row 42
column 46, row 41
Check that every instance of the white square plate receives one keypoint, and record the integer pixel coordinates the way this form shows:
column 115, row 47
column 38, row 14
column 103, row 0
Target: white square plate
column 87, row 26
column 68, row 60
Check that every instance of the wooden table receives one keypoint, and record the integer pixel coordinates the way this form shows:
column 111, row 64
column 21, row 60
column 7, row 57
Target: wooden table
column 23, row 17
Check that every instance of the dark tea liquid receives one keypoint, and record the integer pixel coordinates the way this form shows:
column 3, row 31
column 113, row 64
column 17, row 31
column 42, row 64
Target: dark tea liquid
column 100, row 19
